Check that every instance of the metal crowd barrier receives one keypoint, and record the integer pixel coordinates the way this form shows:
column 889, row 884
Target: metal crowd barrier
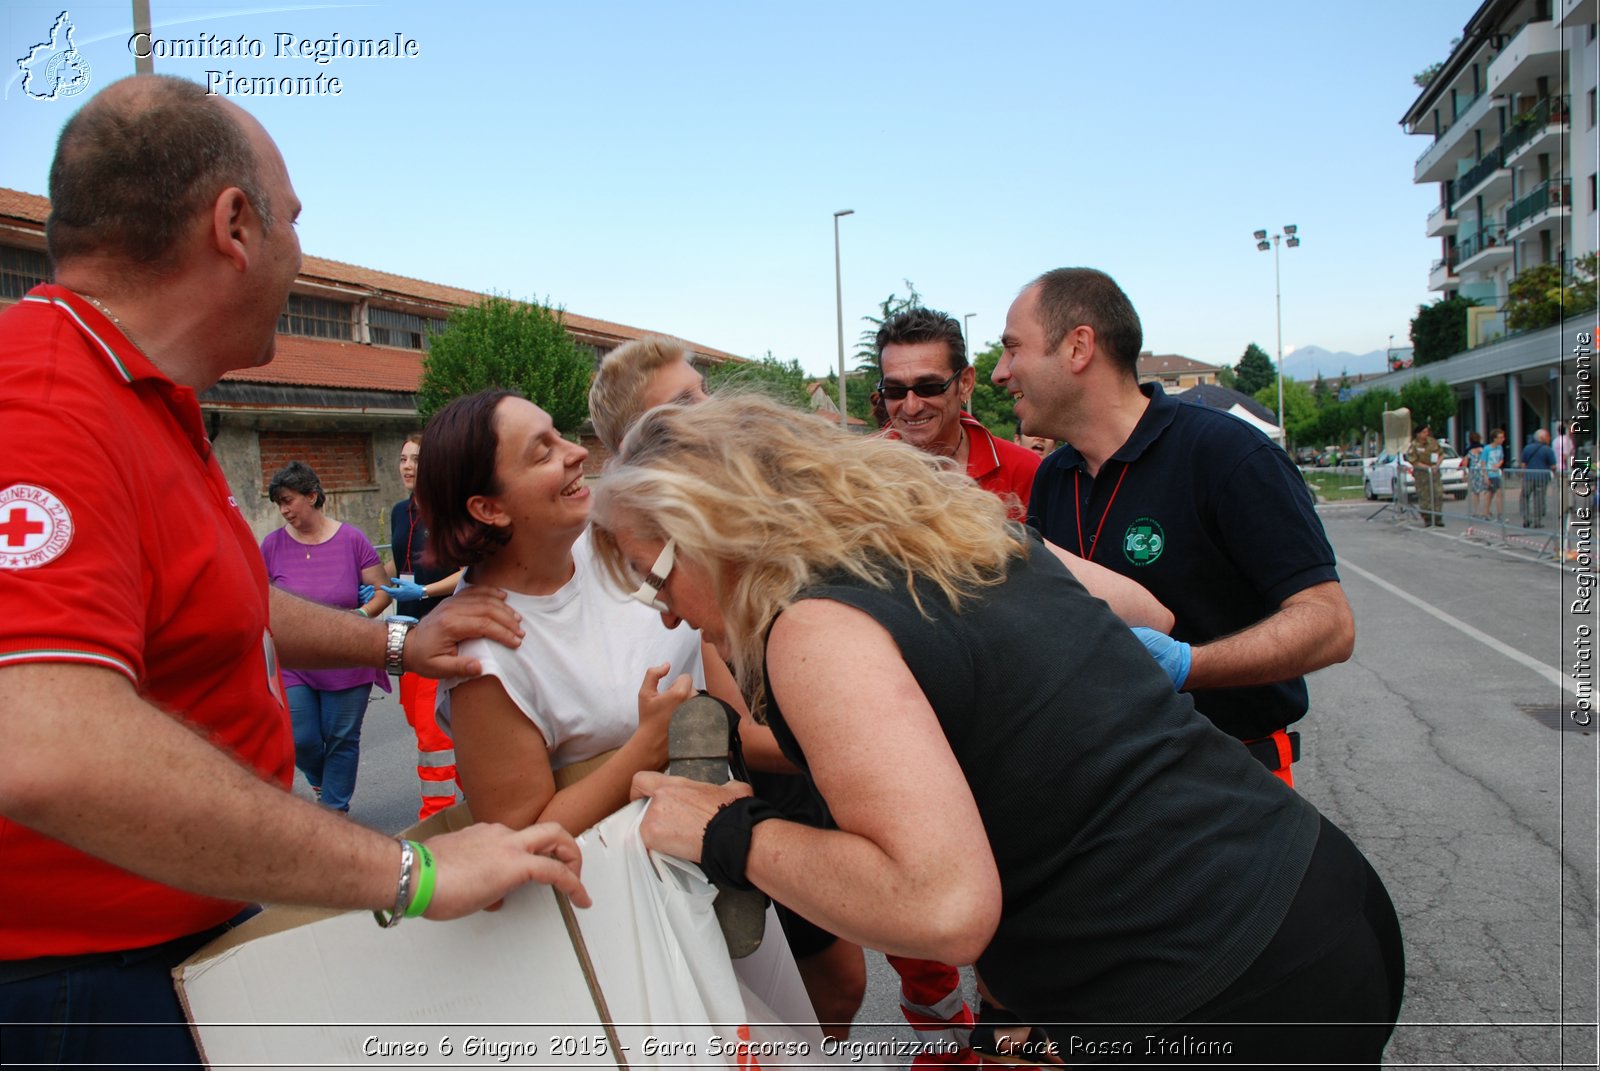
column 1548, row 514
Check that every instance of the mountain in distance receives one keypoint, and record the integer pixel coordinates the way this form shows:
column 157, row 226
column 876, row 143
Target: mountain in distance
column 1304, row 363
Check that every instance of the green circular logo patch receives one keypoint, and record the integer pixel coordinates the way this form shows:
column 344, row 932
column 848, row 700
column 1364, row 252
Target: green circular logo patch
column 1144, row 541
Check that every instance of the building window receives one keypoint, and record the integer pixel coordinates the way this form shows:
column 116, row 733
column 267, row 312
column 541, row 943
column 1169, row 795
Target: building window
column 21, row 270
column 1592, row 205
column 388, row 327
column 1591, row 109
column 316, row 318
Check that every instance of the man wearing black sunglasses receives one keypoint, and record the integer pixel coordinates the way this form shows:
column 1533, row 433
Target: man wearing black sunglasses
column 925, row 382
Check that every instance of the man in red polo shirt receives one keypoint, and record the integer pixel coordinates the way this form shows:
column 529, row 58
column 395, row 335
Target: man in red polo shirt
column 147, row 746
column 925, row 382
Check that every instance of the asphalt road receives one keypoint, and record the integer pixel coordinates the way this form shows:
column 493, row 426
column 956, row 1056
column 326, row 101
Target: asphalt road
column 1480, row 817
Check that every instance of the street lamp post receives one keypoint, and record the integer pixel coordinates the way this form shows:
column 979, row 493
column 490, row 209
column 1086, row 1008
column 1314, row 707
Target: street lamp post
column 1289, row 232
column 966, row 340
column 838, row 300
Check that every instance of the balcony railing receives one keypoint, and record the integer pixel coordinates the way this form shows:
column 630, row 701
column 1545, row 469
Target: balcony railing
column 1531, row 123
column 1552, row 194
column 1461, row 110
column 1488, row 238
column 1492, row 161
column 1439, row 216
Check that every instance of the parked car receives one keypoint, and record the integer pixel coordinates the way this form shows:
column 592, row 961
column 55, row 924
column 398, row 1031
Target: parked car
column 1379, row 472
column 1348, row 463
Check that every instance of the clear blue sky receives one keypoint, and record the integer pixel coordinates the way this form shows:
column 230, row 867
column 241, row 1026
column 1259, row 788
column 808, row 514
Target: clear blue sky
column 675, row 166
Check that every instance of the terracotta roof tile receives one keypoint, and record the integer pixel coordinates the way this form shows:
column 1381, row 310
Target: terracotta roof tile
column 25, row 206
column 320, row 362
column 1154, row 364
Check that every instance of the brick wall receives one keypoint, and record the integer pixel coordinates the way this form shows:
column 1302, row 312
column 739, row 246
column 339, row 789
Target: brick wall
column 341, row 460
column 598, row 455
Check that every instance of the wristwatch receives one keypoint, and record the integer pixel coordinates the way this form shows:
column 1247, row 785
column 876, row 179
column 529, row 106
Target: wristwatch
column 399, row 627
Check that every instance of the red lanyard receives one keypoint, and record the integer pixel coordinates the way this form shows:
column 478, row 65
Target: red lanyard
column 1077, row 503
column 411, row 526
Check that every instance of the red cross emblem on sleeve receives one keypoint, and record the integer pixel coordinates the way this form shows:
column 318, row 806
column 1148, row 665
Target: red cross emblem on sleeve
column 35, row 527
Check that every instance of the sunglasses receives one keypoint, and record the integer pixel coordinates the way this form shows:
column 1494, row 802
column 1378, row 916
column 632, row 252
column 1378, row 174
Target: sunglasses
column 897, row 391
column 649, row 592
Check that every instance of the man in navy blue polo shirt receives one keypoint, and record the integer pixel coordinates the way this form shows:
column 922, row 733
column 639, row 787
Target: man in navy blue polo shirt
column 1199, row 508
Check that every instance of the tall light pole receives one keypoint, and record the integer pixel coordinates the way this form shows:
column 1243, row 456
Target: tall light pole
column 966, row 339
column 838, row 301
column 141, row 24
column 1289, row 232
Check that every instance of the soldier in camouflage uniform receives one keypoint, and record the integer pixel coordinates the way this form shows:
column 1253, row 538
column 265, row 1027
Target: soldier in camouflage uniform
column 1425, row 455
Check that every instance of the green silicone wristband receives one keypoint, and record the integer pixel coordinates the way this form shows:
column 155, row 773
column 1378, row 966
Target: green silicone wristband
column 426, row 872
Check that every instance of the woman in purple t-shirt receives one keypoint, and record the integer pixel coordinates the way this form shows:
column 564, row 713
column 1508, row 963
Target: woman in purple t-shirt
column 320, row 559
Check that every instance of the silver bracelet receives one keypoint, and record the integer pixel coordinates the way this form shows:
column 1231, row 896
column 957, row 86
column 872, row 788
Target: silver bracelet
column 402, row 892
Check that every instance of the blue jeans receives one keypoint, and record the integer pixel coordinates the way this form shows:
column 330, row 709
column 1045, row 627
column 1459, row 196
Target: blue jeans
column 102, row 1010
column 327, row 738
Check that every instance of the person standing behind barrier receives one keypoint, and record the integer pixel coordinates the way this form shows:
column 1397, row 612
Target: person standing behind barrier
column 418, row 586
column 1423, row 453
column 1494, row 463
column 1477, row 479
column 1538, row 462
column 321, row 559
column 1564, row 448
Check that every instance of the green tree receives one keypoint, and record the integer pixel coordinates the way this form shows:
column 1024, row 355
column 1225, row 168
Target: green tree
column 1254, row 370
column 991, row 405
column 1439, row 330
column 1299, row 409
column 1580, row 296
column 858, row 388
column 1534, row 298
column 1367, row 409
column 1430, row 403
column 1323, row 392
column 1227, row 377
column 889, row 307
column 782, row 380
column 1540, row 296
column 509, row 345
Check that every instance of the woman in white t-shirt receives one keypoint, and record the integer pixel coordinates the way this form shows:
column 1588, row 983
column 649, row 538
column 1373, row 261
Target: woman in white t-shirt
column 503, row 494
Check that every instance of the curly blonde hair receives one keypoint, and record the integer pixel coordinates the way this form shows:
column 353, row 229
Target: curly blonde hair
column 770, row 500
column 615, row 396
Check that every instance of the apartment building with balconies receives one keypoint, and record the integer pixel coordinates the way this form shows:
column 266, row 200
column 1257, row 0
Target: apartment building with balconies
column 1511, row 122
column 1513, row 148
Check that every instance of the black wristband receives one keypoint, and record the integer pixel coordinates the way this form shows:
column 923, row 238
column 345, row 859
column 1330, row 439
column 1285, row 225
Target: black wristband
column 726, row 842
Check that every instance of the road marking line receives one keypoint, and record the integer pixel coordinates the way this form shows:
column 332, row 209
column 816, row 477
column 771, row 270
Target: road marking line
column 1549, row 673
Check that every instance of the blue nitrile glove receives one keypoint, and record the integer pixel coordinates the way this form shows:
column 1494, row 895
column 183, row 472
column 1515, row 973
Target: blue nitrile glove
column 1170, row 654
column 364, row 594
column 404, row 591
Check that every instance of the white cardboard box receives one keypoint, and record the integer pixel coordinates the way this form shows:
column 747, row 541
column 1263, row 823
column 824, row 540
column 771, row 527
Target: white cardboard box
column 302, row 988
